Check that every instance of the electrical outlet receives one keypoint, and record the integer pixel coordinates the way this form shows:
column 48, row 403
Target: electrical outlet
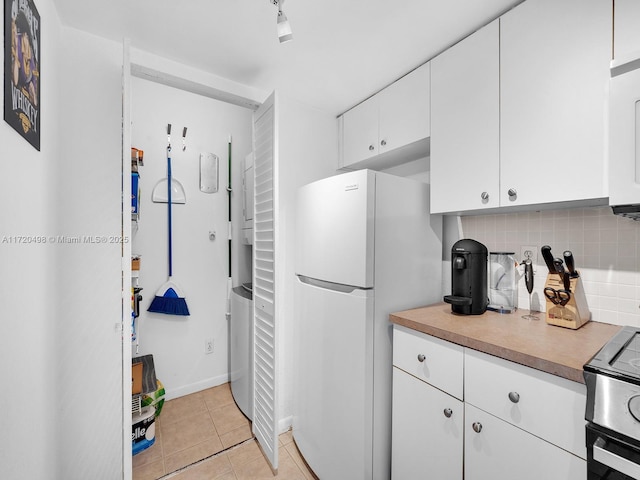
column 529, row 251
column 208, row 345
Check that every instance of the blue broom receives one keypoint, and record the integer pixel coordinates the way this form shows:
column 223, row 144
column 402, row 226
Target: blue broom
column 169, row 298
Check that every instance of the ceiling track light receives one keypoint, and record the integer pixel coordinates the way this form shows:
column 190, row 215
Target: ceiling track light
column 284, row 29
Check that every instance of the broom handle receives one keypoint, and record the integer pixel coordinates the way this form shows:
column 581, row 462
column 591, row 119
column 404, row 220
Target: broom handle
column 169, row 207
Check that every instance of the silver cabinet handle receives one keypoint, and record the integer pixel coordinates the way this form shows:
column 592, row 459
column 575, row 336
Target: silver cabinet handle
column 448, row 412
column 484, row 196
column 383, row 143
column 421, row 358
column 514, row 397
column 371, row 148
column 477, row 427
column 513, row 193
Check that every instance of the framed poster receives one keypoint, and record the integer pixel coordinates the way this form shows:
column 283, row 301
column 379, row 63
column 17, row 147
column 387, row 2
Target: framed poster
column 22, row 68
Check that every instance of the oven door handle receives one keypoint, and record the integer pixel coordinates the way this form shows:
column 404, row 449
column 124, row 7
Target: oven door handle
column 621, row 464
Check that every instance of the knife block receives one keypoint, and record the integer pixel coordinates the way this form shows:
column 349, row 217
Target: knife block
column 575, row 313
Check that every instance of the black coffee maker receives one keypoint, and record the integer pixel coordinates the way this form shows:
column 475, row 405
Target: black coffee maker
column 468, row 278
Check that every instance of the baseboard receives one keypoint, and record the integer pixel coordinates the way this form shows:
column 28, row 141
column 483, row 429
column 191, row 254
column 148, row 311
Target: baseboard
column 285, row 424
column 170, row 394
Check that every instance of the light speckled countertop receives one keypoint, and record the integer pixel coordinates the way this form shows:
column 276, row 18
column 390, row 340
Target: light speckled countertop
column 556, row 350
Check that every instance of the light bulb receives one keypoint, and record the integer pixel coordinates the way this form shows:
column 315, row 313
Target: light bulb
column 284, row 29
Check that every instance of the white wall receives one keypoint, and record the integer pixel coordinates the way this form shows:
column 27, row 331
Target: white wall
column 200, row 266
column 27, row 281
column 308, row 152
column 87, row 277
column 420, row 170
column 61, row 352
column 417, row 169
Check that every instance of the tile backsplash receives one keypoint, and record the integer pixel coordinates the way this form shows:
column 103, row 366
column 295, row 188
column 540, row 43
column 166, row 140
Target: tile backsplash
column 605, row 247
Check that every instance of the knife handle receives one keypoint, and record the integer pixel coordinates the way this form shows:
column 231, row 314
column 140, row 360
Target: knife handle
column 568, row 260
column 548, row 258
column 558, row 266
column 565, row 278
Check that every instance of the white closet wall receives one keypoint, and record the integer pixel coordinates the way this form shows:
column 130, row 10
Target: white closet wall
column 200, row 265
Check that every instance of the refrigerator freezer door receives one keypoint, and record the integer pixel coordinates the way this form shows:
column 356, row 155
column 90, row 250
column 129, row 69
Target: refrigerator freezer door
column 335, row 222
column 333, row 396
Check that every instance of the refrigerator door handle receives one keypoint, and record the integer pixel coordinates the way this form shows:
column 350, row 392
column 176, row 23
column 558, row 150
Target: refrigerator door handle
column 338, row 287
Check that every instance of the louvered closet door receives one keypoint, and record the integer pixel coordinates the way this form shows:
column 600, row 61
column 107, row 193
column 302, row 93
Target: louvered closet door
column 265, row 415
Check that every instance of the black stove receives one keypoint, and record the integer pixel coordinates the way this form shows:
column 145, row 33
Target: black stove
column 612, row 377
column 620, row 357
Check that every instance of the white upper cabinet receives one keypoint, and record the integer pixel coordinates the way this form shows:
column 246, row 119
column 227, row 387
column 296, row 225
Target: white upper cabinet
column 465, row 123
column 519, row 110
column 626, row 29
column 360, row 132
column 389, row 128
column 404, row 110
column 554, row 73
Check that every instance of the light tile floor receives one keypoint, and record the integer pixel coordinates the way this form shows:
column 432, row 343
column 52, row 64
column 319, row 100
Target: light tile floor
column 191, row 428
column 246, row 462
column 205, row 436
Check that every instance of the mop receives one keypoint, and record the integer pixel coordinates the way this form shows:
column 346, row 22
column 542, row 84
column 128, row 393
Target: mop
column 169, row 298
column 229, row 235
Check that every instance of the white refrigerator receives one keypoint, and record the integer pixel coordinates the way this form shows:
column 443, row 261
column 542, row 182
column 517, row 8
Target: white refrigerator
column 366, row 246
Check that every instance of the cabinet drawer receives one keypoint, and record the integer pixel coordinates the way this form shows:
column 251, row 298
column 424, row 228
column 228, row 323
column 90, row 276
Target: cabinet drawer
column 430, row 359
column 548, row 406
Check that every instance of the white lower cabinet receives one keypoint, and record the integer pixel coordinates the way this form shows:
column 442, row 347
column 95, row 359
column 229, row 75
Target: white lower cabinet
column 547, row 406
column 427, row 430
column 496, row 450
column 510, row 421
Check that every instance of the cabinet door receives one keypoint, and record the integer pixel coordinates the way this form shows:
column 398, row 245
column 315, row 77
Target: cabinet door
column 426, row 443
column 554, row 72
column 626, row 34
column 465, row 109
column 500, row 451
column 360, row 132
column 404, row 110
